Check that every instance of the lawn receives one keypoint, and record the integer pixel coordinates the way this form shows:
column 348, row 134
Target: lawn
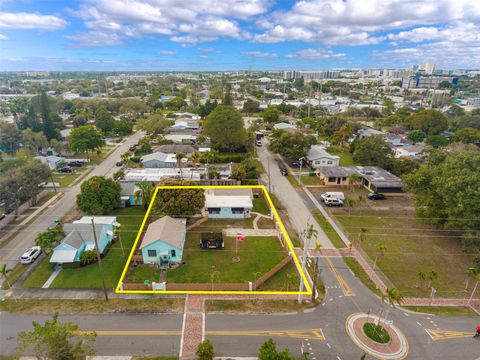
column 65, row 179
column 361, row 274
column 311, row 180
column 40, row 275
column 260, row 206
column 257, row 254
column 443, row 310
column 45, row 198
column 256, row 306
column 328, row 229
column 412, row 246
column 113, row 263
column 287, row 279
column 13, row 275
column 346, row 159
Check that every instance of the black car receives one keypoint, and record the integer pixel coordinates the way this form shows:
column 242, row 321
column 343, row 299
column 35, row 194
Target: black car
column 298, row 163
column 132, row 148
column 119, row 163
column 376, row 196
column 284, row 171
column 75, row 163
column 66, row 169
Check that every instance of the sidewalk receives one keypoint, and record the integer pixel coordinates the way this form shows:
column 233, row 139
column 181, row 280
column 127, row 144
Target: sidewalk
column 193, row 329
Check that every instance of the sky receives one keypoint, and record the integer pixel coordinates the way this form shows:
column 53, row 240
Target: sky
column 196, row 35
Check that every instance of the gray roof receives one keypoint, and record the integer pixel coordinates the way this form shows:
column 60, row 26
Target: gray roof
column 336, row 171
column 167, row 229
column 82, row 232
column 175, row 148
column 73, row 239
column 374, row 174
column 318, row 152
column 160, row 156
column 127, row 188
column 233, row 192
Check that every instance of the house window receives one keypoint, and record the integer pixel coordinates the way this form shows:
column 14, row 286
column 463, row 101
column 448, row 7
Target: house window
column 173, row 253
column 329, row 162
column 238, row 210
column 332, row 179
column 344, row 179
column 213, row 210
column 152, row 253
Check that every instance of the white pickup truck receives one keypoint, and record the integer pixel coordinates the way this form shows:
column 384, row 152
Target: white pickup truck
column 333, row 195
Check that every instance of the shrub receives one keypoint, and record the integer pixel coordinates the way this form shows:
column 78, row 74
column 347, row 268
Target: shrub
column 376, row 332
column 88, row 257
column 205, row 350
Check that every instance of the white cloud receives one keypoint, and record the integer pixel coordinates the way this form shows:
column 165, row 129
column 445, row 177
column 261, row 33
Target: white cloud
column 260, row 54
column 206, row 49
column 315, row 54
column 357, row 22
column 186, row 22
column 167, row 53
column 24, row 20
column 95, row 38
column 3, row 37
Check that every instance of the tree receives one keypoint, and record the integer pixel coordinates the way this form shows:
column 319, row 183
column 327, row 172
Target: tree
column 179, row 202
column 393, row 296
column 416, row 136
column 99, row 196
column 422, row 277
column 432, row 275
column 246, row 169
column 10, row 137
column 176, row 103
column 196, row 158
column 436, row 141
column 271, row 115
column 227, row 96
column 34, row 141
column 86, row 138
column 144, row 192
column 4, row 273
column 373, row 151
column 225, row 128
column 251, row 106
column 446, row 190
column 381, row 248
column 207, row 108
column 470, row 121
column 47, row 239
column 154, row 124
column 104, row 120
column 50, row 122
column 268, row 351
column 429, row 121
column 205, row 350
column 467, row 136
column 293, row 146
column 57, row 341
column 180, row 156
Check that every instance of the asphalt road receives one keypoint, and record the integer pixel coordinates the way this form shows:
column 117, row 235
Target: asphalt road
column 11, row 253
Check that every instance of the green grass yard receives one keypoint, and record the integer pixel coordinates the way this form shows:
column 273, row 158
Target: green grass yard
column 13, row 275
column 40, row 275
column 260, row 206
column 311, row 180
column 328, row 229
column 346, row 159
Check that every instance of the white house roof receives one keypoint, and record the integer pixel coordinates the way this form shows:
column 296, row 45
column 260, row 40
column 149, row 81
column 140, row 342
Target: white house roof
column 167, row 229
column 159, row 156
column 228, row 201
column 227, row 191
column 283, row 125
column 63, row 256
column 318, row 152
column 98, row 220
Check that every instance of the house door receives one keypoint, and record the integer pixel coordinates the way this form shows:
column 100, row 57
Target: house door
column 163, row 261
column 338, row 180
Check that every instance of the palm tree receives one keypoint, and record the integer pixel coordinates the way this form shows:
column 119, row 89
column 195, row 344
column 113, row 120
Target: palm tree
column 290, row 279
column 477, row 279
column 213, row 275
column 144, row 192
column 47, row 239
column 318, row 247
column 432, row 275
column 125, row 157
column 381, row 247
column 422, row 277
column 4, row 272
column 357, row 241
column 471, row 273
column 179, row 156
column 393, row 296
column 195, row 158
column 352, row 179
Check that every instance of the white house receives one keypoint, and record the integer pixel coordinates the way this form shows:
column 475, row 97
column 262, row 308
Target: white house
column 409, row 151
column 317, row 156
column 229, row 203
column 159, row 160
column 284, row 126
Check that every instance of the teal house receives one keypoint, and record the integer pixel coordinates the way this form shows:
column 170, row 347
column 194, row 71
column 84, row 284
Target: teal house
column 163, row 241
column 127, row 194
column 80, row 237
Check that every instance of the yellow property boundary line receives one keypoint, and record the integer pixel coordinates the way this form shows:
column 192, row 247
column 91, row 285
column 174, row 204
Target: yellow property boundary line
column 308, row 290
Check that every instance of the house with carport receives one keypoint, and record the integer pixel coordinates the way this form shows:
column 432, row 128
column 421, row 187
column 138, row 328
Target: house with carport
column 228, row 203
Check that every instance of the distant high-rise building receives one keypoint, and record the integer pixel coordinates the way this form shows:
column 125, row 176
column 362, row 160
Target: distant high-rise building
column 311, row 75
column 428, row 68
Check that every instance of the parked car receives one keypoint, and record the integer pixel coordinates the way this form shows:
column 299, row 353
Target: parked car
column 376, row 196
column 75, row 163
column 66, row 169
column 30, row 255
column 154, row 141
column 284, row 171
column 258, row 142
column 2, row 216
column 333, row 195
column 334, row 202
column 299, row 162
column 132, row 148
column 119, row 163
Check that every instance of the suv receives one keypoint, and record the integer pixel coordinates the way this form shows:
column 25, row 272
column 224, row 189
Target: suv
column 333, row 202
column 66, row 169
column 75, row 163
column 30, row 255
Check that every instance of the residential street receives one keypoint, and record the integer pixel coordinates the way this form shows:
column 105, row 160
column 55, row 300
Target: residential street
column 11, row 253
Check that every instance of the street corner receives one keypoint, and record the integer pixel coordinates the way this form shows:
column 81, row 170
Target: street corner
column 395, row 348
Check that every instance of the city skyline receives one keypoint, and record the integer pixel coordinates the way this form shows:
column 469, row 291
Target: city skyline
column 237, row 34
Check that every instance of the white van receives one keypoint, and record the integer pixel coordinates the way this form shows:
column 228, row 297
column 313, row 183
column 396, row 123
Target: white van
column 333, row 195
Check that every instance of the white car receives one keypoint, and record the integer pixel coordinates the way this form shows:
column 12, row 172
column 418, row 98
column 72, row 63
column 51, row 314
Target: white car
column 333, row 202
column 30, row 255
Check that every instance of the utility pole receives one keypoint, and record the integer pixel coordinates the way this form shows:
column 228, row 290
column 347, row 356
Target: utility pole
column 315, row 274
column 99, row 259
column 269, row 189
column 304, row 261
column 309, row 99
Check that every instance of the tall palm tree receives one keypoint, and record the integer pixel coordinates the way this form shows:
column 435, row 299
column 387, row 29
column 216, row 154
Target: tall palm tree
column 381, row 248
column 393, row 296
column 432, row 275
column 477, row 279
column 195, row 158
column 4, row 272
column 357, row 240
column 179, row 156
column 144, row 192
column 318, row 247
column 471, row 273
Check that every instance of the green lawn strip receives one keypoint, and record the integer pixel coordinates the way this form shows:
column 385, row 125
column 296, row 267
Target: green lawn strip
column 40, row 275
column 293, row 181
column 260, row 206
column 113, row 263
column 65, row 179
column 376, row 332
column 412, row 246
column 311, row 180
column 12, row 276
column 361, row 274
column 51, row 306
column 328, row 229
column 255, row 306
column 217, row 225
column 285, row 220
column 443, row 310
column 287, row 279
column 155, row 358
column 257, row 254
column 45, row 198
column 346, row 159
